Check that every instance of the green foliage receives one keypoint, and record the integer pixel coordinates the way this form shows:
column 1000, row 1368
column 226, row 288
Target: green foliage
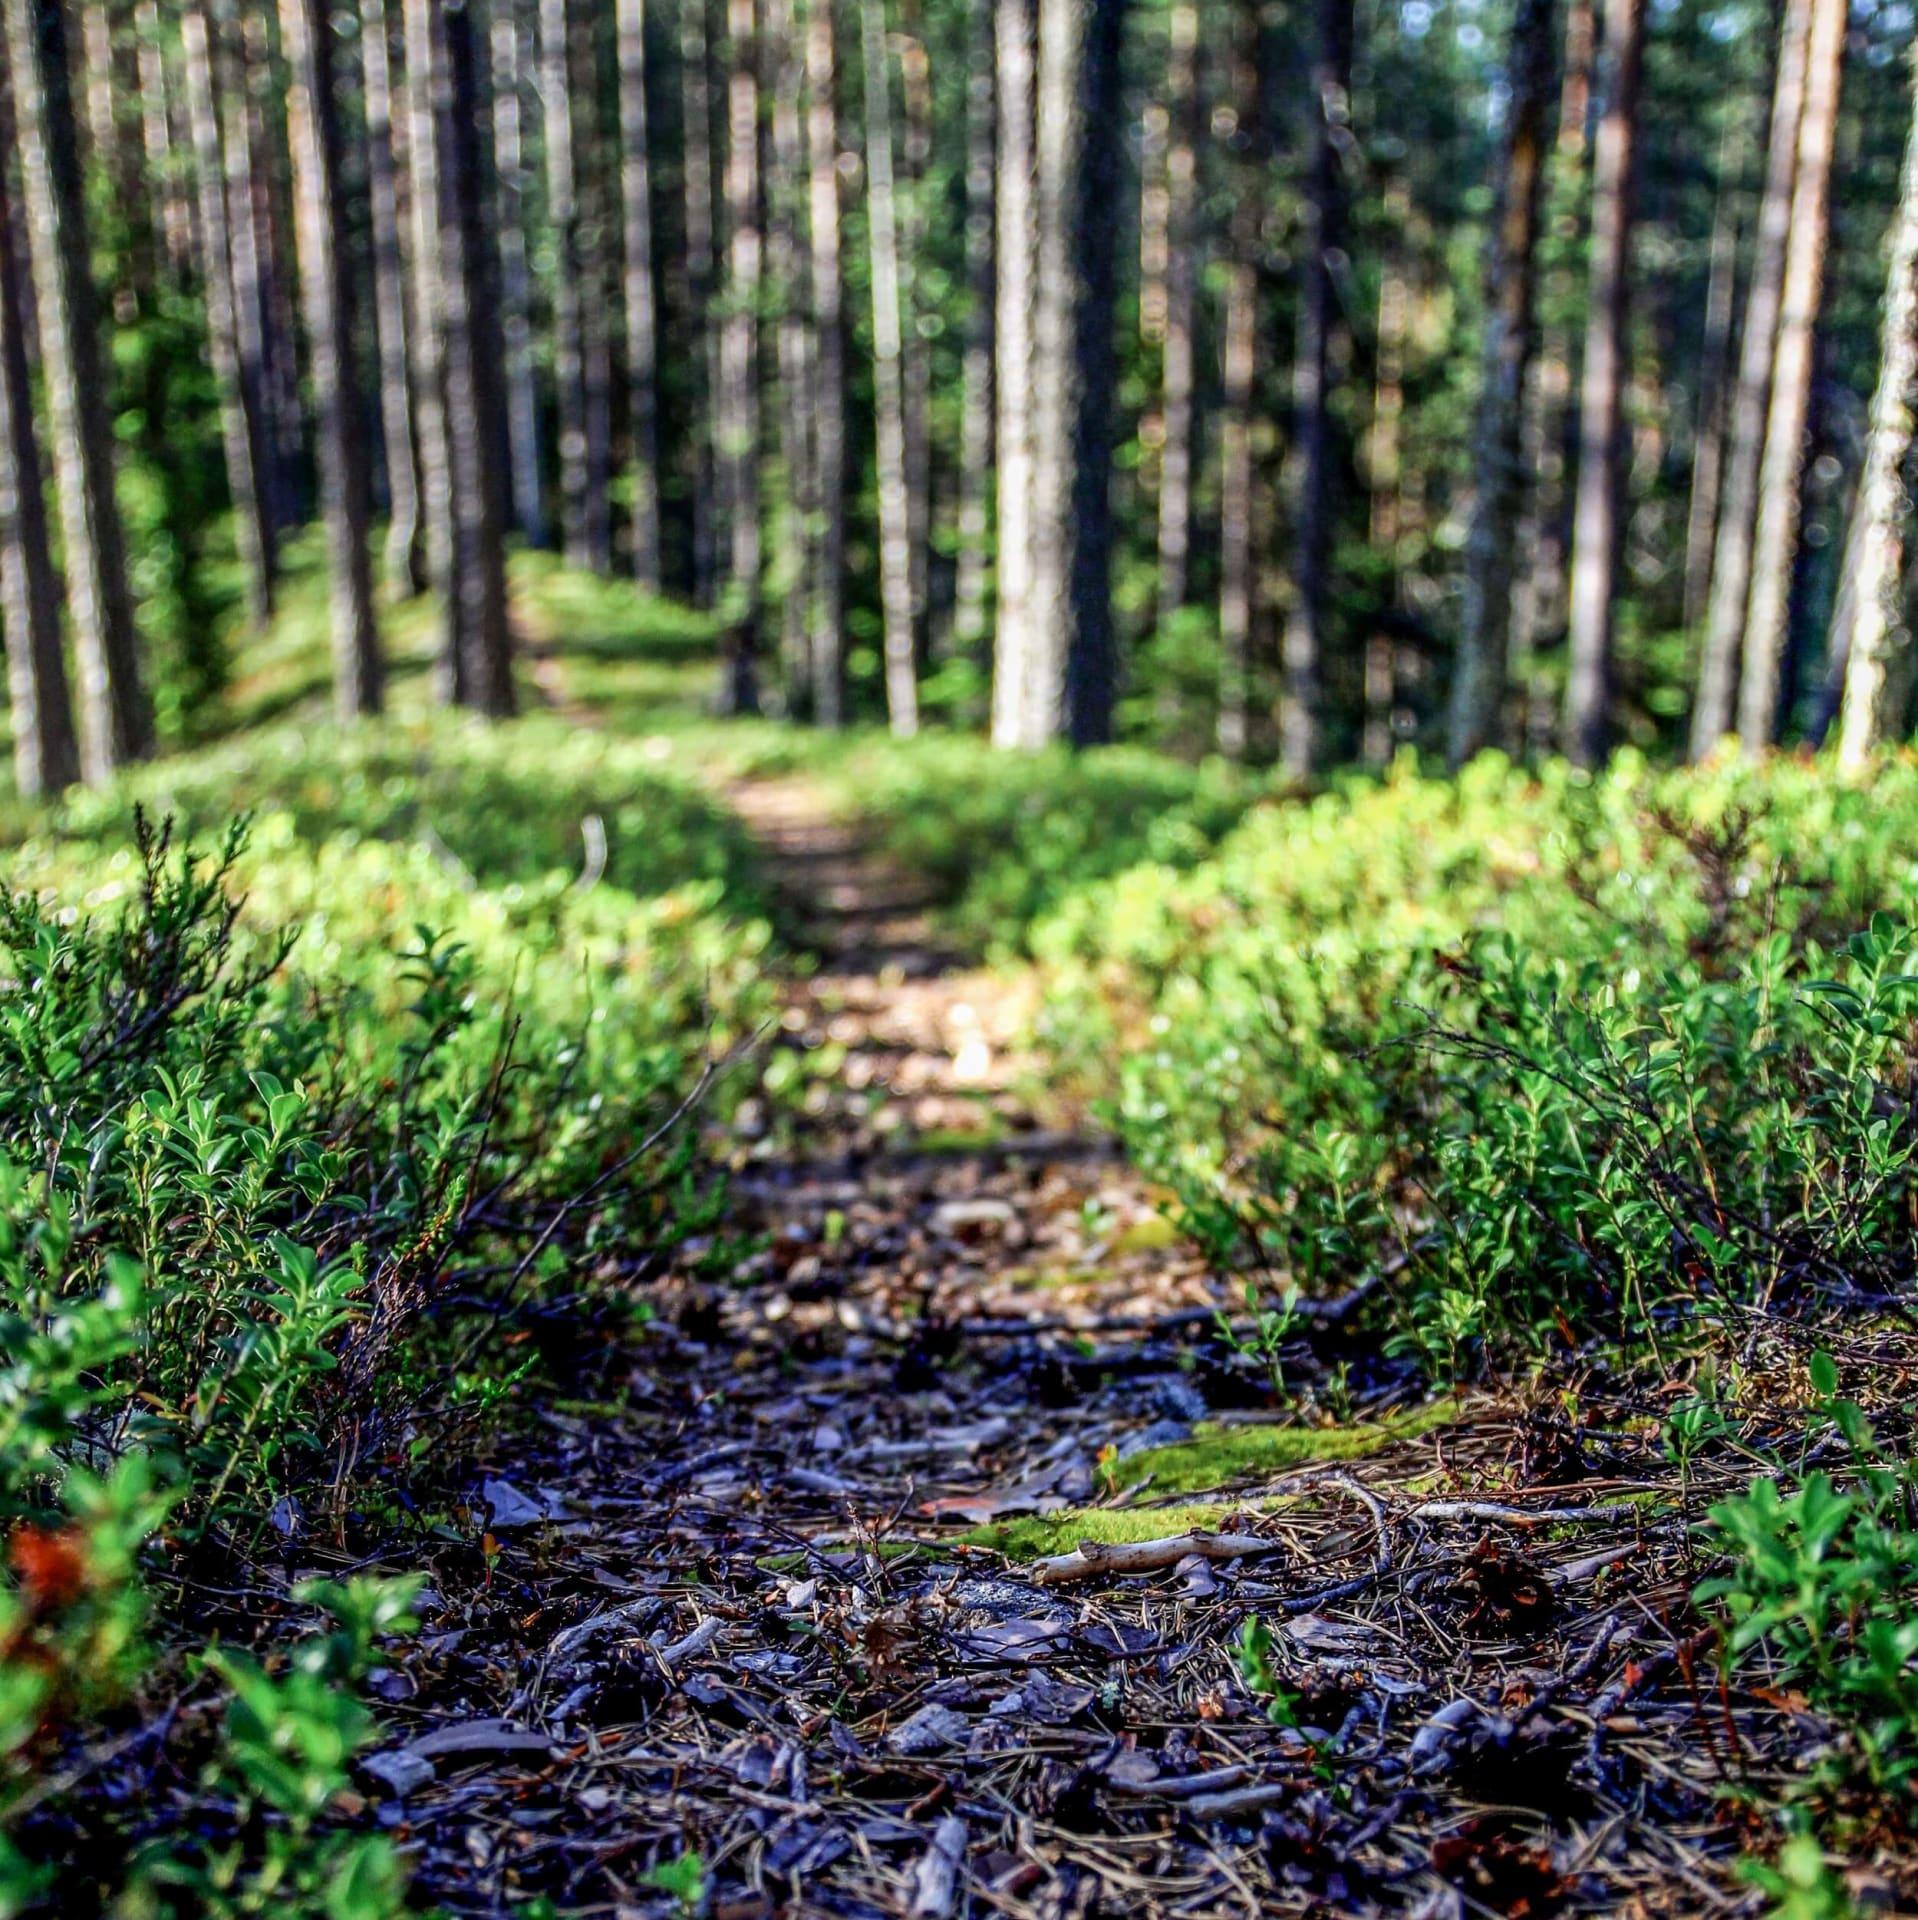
column 1800, row 1883
column 1822, row 1579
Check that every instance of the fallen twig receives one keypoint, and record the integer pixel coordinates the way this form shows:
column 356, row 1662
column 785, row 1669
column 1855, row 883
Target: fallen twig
column 1145, row 1556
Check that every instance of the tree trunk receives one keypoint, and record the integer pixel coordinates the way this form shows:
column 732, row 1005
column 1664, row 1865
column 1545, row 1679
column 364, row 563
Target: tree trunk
column 1875, row 641
column 696, row 91
column 975, row 420
column 242, row 430
column 738, row 426
column 915, row 359
column 889, row 403
column 1180, row 303
column 1385, row 478
column 46, row 751
column 326, row 276
column 827, row 611
column 642, row 350
column 1751, row 392
column 1775, row 539
column 1708, row 441
column 264, row 97
column 785, row 261
column 471, row 354
column 569, row 340
column 428, row 335
column 515, row 293
column 1478, row 684
column 1595, row 520
column 1081, row 135
column 156, row 128
column 1015, row 40
column 1314, row 454
column 1238, row 573
column 389, row 307
column 117, row 723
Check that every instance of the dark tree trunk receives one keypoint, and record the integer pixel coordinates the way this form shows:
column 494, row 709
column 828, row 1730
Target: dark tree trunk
column 403, row 572
column 1595, row 524
column 785, row 263
column 1731, row 570
column 696, row 97
column 46, row 751
column 1180, row 303
column 1081, row 150
column 738, row 422
column 326, row 275
column 827, row 613
column 975, row 427
column 242, row 430
column 516, row 319
column 472, row 356
column 117, row 723
column 1315, row 453
column 1478, row 687
column 642, row 351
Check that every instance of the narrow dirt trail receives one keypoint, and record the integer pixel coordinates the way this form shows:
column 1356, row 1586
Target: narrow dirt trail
column 727, row 1607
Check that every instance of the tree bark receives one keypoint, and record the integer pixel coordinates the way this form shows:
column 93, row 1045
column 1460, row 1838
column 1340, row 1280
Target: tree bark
column 642, row 347
column 975, row 420
column 116, row 720
column 1751, row 393
column 403, row 572
column 1315, row 456
column 327, row 278
column 1876, row 642
column 1708, row 439
column 515, row 296
column 242, row 430
column 156, row 132
column 1775, row 539
column 696, row 101
column 1511, row 335
column 267, row 175
column 785, row 262
column 1180, row 308
column 738, row 427
column 479, row 632
column 46, row 750
column 889, row 403
column 1595, row 520
column 1015, row 40
column 827, row 608
column 1072, row 686
column 915, row 360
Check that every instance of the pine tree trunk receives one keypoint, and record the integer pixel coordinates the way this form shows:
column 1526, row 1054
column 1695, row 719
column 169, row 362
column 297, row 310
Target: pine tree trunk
column 1015, row 41
column 242, row 430
column 596, row 215
column 642, row 349
column 889, row 404
column 569, row 339
column 975, row 421
column 1315, row 456
column 1708, row 447
column 1595, row 520
column 403, row 573
column 1775, row 539
column 1499, row 480
column 1238, row 574
column 1731, row 572
column 915, row 361
column 1385, row 478
column 284, row 413
column 428, row 337
column 785, row 264
column 156, row 132
column 696, row 114
column 1180, row 298
column 516, row 318
column 326, row 276
column 1876, row 641
column 46, row 750
column 479, row 628
column 116, row 721
column 826, row 619
column 1081, row 133
column 738, row 425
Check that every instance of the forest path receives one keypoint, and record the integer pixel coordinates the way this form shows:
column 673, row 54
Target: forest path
column 741, row 1619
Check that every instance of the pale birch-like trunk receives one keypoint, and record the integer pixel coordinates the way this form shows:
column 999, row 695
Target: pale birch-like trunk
column 696, row 114
column 1708, row 442
column 826, row 612
column 1178, row 299
column 738, row 423
column 1499, row 479
column 975, row 419
column 1775, row 539
column 785, row 265
column 1595, row 519
column 642, row 327
column 1731, row 574
column 116, row 719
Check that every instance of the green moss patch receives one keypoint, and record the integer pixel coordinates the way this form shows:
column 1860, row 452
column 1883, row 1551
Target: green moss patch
column 1217, row 1454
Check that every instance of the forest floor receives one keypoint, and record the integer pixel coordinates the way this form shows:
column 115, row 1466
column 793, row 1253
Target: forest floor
column 766, row 1622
